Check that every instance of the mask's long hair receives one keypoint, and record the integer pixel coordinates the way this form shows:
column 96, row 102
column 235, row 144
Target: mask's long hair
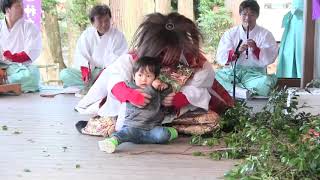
column 159, row 34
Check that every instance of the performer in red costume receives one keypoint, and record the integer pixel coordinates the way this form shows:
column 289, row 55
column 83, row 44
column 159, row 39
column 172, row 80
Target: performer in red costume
column 175, row 39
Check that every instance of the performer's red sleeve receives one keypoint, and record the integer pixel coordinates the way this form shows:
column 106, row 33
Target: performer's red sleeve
column 85, row 72
column 17, row 57
column 123, row 93
column 231, row 57
column 180, row 100
column 256, row 52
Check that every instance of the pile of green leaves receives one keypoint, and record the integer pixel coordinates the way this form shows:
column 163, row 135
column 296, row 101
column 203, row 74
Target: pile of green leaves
column 276, row 143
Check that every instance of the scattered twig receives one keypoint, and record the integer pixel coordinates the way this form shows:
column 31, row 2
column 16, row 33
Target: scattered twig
column 185, row 152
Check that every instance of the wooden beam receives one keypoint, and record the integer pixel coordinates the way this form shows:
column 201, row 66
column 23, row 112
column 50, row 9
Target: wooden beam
column 308, row 45
column 163, row 6
column 288, row 82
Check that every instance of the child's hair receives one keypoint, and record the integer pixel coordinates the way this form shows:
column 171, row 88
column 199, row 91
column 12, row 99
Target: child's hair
column 152, row 63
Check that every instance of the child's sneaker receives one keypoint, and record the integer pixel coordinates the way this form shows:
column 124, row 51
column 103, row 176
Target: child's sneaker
column 108, row 145
column 173, row 133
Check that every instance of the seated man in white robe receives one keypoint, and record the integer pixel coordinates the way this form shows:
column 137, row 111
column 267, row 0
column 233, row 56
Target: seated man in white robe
column 257, row 51
column 20, row 45
column 98, row 47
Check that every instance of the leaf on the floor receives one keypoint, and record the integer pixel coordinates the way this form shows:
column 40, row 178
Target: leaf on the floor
column 197, row 153
column 77, row 166
column 4, row 128
column 31, row 140
column 17, row 132
column 26, row 170
column 64, row 148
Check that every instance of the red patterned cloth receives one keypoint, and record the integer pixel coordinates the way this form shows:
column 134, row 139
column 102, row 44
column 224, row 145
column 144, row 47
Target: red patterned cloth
column 222, row 100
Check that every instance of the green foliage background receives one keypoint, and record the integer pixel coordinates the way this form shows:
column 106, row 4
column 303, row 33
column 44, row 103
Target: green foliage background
column 79, row 12
column 49, row 5
column 213, row 23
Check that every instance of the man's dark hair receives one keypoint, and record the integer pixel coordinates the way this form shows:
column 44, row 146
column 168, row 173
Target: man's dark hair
column 251, row 4
column 4, row 4
column 99, row 10
column 152, row 63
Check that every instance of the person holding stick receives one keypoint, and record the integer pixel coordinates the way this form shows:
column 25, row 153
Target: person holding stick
column 258, row 50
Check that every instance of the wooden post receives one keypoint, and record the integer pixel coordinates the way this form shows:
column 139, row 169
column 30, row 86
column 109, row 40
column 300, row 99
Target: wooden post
column 308, row 45
column 233, row 6
column 127, row 15
column 163, row 6
column 51, row 27
column 185, row 7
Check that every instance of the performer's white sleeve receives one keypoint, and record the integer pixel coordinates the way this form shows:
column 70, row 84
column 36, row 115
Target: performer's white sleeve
column 196, row 89
column 120, row 70
column 119, row 47
column 225, row 45
column 32, row 41
column 268, row 50
column 83, row 51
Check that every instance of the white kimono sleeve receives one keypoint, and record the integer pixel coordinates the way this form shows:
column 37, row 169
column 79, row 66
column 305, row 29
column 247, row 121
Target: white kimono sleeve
column 32, row 42
column 196, row 89
column 117, row 72
column 225, row 45
column 268, row 50
column 83, row 51
column 119, row 47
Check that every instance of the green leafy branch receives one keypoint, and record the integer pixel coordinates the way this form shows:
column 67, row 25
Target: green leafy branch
column 275, row 143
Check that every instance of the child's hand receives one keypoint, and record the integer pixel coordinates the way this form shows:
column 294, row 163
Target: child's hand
column 158, row 85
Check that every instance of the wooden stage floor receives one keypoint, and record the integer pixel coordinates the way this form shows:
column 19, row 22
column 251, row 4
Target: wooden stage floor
column 38, row 141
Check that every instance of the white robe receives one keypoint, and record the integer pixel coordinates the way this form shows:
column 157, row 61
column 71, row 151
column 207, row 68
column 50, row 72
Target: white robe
column 196, row 89
column 99, row 51
column 263, row 38
column 23, row 36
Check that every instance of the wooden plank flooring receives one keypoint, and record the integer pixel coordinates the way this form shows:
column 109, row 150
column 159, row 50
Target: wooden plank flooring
column 41, row 138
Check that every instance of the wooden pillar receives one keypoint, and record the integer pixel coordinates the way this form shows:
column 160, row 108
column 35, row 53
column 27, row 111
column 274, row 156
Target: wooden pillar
column 163, row 6
column 185, row 7
column 233, row 6
column 128, row 15
column 308, row 45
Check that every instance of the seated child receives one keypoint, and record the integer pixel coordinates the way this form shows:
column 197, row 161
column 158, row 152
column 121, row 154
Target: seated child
column 143, row 125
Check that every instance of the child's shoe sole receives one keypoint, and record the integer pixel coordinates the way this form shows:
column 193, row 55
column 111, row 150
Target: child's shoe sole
column 107, row 146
